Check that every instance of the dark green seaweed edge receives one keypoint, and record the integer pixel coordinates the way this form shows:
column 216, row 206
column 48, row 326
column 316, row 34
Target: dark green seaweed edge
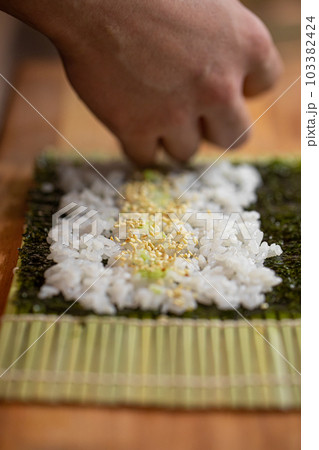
column 278, row 203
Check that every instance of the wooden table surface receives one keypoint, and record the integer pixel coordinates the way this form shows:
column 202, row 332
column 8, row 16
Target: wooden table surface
column 60, row 427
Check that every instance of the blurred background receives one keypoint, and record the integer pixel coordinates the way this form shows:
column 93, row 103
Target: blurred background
column 32, row 65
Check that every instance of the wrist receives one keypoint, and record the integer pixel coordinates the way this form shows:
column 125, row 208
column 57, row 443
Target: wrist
column 52, row 18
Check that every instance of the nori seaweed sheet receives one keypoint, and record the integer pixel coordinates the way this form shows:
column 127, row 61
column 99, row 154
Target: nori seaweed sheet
column 278, row 203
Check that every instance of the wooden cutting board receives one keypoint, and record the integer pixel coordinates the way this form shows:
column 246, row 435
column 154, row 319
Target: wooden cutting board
column 25, row 135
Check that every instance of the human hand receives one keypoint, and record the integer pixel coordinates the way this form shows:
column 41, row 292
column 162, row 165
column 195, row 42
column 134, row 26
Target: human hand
column 164, row 72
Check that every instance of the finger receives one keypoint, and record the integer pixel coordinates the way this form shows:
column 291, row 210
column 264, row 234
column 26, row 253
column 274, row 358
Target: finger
column 227, row 126
column 140, row 149
column 182, row 141
column 263, row 75
column 265, row 65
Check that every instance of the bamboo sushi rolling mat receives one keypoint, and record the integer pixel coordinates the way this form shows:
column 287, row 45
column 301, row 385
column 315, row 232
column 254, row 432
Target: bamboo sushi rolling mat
column 24, row 137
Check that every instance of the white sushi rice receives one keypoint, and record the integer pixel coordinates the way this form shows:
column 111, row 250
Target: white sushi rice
column 225, row 268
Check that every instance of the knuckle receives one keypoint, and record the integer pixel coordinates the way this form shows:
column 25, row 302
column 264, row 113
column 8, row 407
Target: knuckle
column 222, row 91
column 232, row 141
column 135, row 129
column 228, row 91
column 260, row 40
column 176, row 116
